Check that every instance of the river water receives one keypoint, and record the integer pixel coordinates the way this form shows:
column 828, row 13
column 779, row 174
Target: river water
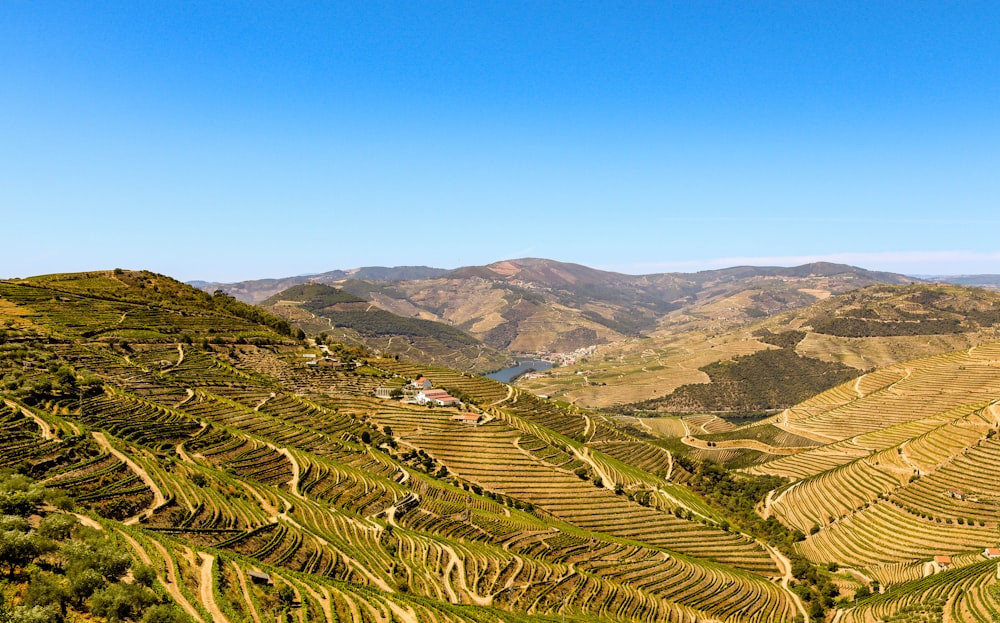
column 505, row 375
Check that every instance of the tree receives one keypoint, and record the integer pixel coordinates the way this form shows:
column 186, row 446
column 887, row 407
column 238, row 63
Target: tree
column 85, row 583
column 119, row 602
column 165, row 613
column 144, row 575
column 57, row 526
column 19, row 495
column 46, row 589
column 17, row 549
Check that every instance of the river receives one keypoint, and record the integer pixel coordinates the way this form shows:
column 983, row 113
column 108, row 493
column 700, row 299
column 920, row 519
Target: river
column 526, row 365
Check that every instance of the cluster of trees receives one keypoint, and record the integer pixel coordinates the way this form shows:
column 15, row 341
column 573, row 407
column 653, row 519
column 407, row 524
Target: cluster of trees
column 67, row 566
column 736, row 496
column 378, row 322
column 784, row 339
column 227, row 303
column 862, row 327
column 32, row 372
column 765, row 380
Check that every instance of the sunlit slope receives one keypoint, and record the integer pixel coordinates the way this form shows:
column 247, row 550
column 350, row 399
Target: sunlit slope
column 197, row 435
column 905, row 466
column 868, row 328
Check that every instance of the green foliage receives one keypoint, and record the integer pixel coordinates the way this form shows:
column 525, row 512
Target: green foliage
column 378, row 322
column 314, row 296
column 121, row 602
column 19, row 495
column 785, row 339
column 765, row 380
column 165, row 613
column 736, row 495
column 859, row 327
column 224, row 302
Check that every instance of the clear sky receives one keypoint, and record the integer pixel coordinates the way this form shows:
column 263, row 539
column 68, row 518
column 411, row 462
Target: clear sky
column 236, row 140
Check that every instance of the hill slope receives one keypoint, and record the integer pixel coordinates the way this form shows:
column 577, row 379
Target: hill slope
column 323, row 309
column 205, row 444
column 865, row 328
column 534, row 305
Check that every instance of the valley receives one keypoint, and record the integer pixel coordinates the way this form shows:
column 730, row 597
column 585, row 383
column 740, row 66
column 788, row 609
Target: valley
column 246, row 459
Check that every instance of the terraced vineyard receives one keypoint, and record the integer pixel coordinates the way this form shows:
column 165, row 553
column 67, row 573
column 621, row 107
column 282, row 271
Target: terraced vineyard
column 192, row 431
column 211, row 452
column 888, row 471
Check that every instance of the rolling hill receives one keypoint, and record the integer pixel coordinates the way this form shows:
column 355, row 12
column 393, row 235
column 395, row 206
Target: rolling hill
column 199, row 438
column 246, row 475
column 862, row 329
column 537, row 305
column 341, row 316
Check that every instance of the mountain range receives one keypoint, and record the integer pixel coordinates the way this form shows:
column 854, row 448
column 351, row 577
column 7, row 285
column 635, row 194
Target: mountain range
column 536, row 305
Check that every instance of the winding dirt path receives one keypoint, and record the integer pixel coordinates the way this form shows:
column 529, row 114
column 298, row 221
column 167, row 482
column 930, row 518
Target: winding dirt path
column 187, row 399
column 47, row 431
column 158, row 497
column 510, row 394
column 770, row 500
column 584, row 455
column 457, row 561
column 206, row 590
column 785, row 567
column 88, row 521
column 246, row 592
column 293, row 482
column 323, row 601
column 905, row 455
column 171, row 583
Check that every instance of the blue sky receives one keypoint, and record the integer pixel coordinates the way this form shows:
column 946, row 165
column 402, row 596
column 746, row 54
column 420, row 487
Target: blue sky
column 227, row 141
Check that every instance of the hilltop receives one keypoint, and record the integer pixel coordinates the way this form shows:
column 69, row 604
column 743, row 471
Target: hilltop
column 257, row 290
column 536, row 305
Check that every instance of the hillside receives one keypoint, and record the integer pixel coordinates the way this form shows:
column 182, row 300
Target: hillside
column 207, row 447
column 257, row 290
column 322, row 309
column 536, row 305
column 866, row 328
column 215, row 448
column 892, row 477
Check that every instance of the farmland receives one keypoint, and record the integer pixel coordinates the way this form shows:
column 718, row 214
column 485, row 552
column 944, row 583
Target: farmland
column 192, row 432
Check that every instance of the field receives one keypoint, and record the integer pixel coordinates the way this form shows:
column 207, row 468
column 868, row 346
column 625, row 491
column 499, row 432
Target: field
column 212, row 452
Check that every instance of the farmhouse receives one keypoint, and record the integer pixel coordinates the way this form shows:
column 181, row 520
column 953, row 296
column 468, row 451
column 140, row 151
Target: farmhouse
column 438, row 397
column 422, row 383
column 943, row 563
column 467, row 418
column 992, row 552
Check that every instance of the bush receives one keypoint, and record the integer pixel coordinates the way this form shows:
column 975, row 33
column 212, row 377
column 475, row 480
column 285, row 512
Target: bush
column 165, row 613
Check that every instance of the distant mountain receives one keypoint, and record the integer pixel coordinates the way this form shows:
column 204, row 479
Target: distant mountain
column 979, row 281
column 319, row 308
column 257, row 290
column 533, row 304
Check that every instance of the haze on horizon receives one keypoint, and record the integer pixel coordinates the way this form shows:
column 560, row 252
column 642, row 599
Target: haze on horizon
column 226, row 142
